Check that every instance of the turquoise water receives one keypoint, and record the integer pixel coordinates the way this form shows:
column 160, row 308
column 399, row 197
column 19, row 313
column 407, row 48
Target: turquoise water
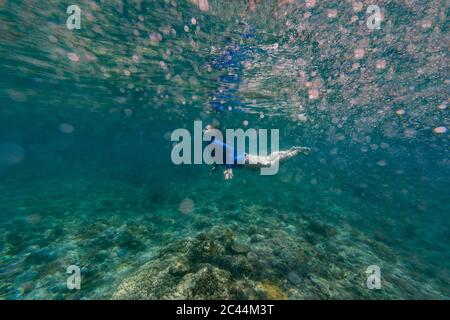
column 86, row 176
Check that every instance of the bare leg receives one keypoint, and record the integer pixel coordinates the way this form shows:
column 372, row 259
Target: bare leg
column 282, row 156
column 255, row 161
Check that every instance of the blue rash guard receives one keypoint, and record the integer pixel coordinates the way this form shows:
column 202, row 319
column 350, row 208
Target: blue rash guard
column 235, row 160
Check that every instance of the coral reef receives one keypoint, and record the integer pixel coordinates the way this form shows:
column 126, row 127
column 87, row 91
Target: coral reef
column 255, row 251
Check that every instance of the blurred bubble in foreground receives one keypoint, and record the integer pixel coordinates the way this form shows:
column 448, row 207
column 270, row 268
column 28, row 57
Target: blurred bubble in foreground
column 186, row 206
column 11, row 154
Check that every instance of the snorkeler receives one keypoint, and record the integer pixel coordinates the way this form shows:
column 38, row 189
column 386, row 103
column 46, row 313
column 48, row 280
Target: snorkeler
column 249, row 161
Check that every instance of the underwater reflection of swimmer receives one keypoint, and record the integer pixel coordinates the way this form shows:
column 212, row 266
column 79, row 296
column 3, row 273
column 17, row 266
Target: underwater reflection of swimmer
column 231, row 61
column 249, row 161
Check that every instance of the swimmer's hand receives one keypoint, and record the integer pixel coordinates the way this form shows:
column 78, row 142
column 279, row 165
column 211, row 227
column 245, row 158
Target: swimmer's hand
column 228, row 174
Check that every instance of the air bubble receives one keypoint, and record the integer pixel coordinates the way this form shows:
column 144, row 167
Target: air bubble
column 11, row 154
column 440, row 130
column 66, row 128
column 186, row 206
column 73, row 57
